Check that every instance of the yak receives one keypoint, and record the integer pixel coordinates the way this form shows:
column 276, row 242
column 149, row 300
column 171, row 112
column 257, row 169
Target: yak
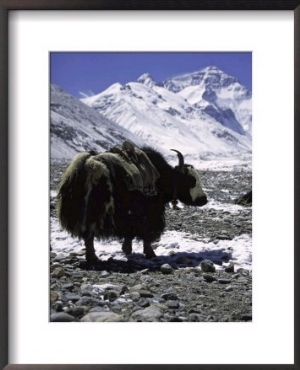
column 122, row 193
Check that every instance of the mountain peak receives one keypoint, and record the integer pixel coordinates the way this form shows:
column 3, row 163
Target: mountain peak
column 146, row 79
column 212, row 69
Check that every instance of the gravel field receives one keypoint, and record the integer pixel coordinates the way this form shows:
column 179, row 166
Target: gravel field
column 177, row 287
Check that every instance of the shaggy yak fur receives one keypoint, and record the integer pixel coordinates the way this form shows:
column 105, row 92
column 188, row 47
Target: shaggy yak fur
column 95, row 200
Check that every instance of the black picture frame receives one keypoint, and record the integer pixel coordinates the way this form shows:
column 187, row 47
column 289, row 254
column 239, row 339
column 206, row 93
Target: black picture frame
column 9, row 5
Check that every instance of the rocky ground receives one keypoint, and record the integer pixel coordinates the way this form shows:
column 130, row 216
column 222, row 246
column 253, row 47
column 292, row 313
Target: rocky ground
column 178, row 288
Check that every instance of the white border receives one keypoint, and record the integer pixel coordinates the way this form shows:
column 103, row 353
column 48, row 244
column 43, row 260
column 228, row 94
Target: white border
column 269, row 339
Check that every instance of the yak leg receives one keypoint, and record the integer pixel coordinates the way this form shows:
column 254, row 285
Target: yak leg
column 90, row 255
column 148, row 250
column 127, row 246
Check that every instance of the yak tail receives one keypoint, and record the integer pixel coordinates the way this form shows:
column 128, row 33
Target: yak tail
column 85, row 203
column 71, row 193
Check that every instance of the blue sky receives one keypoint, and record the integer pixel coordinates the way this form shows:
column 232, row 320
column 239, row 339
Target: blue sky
column 91, row 73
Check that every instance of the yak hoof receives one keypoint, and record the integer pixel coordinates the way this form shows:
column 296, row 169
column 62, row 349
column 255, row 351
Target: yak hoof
column 93, row 264
column 148, row 251
column 127, row 248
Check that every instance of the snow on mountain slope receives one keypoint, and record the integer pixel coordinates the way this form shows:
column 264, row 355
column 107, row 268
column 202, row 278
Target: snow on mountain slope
column 75, row 127
column 192, row 113
column 211, row 87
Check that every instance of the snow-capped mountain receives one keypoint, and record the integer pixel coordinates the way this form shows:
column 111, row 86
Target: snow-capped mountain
column 206, row 114
column 75, row 127
column 220, row 95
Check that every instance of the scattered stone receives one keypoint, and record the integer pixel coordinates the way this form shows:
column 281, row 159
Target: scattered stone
column 169, row 296
column 145, row 271
column 58, row 272
column 209, row 278
column 135, row 296
column 102, row 317
column 195, row 270
column 166, row 269
column 230, row 268
column 88, row 301
column 61, row 317
column 103, row 287
column 194, row 310
column 172, row 304
column 136, row 288
column 58, row 306
column 144, row 302
column 146, row 279
column 207, row 266
column 77, row 310
column 176, row 319
column 53, row 296
column 68, row 286
column 182, row 318
column 195, row 317
column 78, row 253
column 72, row 297
column 111, row 295
column 243, row 272
column 59, row 257
column 224, row 281
column 100, row 309
column 149, row 314
column 223, row 236
column 145, row 293
column 104, row 274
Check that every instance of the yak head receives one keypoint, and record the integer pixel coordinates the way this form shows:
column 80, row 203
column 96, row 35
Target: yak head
column 188, row 187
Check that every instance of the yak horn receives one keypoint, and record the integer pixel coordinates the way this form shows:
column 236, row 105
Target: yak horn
column 181, row 160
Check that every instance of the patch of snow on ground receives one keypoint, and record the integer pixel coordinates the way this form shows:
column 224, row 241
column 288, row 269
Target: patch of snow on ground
column 225, row 207
column 172, row 244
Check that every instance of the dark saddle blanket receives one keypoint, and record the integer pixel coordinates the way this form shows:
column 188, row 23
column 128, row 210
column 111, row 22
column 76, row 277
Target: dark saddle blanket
column 140, row 172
